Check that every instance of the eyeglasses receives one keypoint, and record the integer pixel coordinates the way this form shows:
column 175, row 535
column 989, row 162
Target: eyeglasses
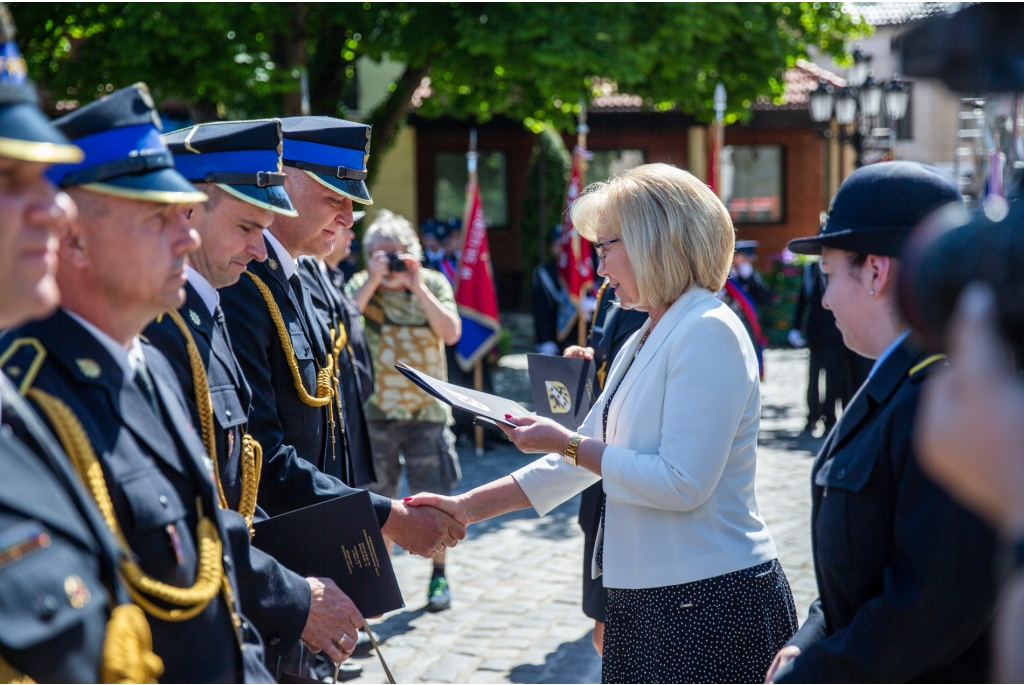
column 599, row 248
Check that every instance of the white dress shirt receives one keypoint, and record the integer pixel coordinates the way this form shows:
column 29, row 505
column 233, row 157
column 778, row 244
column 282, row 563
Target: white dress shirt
column 128, row 359
column 288, row 263
column 678, row 468
column 208, row 294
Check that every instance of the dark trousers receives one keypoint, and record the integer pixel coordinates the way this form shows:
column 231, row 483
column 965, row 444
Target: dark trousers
column 832, row 362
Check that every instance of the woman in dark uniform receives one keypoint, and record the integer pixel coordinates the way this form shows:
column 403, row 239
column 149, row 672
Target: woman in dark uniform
column 904, row 573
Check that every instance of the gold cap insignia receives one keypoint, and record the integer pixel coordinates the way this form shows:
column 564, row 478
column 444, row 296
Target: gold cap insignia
column 195, row 317
column 273, row 263
column 77, row 593
column 90, row 368
column 558, row 397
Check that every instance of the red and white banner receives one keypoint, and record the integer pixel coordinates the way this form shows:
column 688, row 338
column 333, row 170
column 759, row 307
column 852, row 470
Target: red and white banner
column 475, row 293
column 575, row 263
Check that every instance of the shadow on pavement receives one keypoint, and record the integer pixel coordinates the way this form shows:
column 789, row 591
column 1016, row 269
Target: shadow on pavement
column 398, row 624
column 572, row 662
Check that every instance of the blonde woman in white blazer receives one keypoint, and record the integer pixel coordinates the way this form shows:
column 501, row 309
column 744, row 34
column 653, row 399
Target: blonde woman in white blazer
column 695, row 592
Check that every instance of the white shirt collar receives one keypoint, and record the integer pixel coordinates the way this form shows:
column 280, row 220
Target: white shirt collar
column 288, row 263
column 892, row 346
column 126, row 359
column 209, row 294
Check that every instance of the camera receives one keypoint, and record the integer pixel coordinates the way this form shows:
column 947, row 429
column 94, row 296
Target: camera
column 944, row 256
column 395, row 262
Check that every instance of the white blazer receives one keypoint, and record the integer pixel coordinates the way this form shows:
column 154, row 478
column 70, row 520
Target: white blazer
column 679, row 467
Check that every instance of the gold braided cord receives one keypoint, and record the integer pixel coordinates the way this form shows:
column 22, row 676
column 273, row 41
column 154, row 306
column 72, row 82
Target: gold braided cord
column 128, row 648
column 203, row 401
column 210, row 572
column 252, row 467
column 597, row 306
column 324, row 391
column 926, row 363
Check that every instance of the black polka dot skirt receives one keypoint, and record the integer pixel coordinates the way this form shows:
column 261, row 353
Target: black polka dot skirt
column 724, row 629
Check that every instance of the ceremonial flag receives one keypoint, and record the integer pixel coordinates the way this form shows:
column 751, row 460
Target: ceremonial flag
column 575, row 264
column 474, row 286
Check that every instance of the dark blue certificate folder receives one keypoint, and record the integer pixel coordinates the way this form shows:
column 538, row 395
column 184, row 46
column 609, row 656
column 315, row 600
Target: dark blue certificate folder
column 338, row 539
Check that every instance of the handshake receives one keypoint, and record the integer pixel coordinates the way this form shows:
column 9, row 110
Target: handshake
column 425, row 524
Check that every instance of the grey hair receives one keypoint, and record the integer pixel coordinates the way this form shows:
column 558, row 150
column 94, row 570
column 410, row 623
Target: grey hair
column 389, row 226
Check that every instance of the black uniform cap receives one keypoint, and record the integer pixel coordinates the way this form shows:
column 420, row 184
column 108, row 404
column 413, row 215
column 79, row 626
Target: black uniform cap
column 878, row 205
column 125, row 156
column 25, row 132
column 332, row 151
column 242, row 157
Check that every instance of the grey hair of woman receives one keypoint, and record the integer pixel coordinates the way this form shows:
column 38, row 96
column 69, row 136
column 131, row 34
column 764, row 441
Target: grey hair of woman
column 391, row 227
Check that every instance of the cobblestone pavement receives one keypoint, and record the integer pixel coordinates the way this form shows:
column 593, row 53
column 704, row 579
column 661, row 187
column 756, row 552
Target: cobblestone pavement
column 515, row 580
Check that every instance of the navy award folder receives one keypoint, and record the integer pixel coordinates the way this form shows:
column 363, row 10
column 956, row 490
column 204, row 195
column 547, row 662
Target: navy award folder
column 337, row 539
column 564, row 389
column 488, row 407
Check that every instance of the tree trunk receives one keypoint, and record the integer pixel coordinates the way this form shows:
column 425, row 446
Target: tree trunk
column 389, row 116
column 327, row 70
column 295, row 53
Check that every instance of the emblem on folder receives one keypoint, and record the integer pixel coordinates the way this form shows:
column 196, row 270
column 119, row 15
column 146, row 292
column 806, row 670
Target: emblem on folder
column 558, row 397
column 470, row 401
column 90, row 368
column 194, row 317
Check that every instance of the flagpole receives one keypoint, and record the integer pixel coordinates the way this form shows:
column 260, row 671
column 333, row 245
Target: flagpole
column 478, row 370
column 581, row 144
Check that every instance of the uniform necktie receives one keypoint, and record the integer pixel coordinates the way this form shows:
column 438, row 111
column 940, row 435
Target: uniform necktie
column 144, row 382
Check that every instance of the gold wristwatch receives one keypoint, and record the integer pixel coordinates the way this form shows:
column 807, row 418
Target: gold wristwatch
column 570, row 452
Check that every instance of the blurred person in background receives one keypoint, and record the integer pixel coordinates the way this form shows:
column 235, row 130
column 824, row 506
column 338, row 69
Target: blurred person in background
column 410, row 315
column 553, row 310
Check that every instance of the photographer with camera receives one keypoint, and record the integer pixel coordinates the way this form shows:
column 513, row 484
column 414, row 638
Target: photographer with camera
column 410, row 315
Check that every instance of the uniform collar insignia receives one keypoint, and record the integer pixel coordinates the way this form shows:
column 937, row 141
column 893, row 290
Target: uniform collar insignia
column 194, row 317
column 273, row 263
column 90, row 368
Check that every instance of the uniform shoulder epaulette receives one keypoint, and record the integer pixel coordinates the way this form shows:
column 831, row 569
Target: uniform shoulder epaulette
column 22, row 360
column 920, row 370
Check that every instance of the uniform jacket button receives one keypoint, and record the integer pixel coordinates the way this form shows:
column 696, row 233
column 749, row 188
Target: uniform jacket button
column 228, row 413
column 163, row 500
column 48, row 607
column 227, row 562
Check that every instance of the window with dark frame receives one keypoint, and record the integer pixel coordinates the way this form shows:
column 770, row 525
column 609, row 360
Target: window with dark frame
column 606, row 163
column 451, row 177
column 752, row 183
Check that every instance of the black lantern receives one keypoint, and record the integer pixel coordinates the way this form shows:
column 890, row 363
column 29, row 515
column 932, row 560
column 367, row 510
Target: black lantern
column 870, row 95
column 822, row 98
column 846, row 105
column 897, row 98
column 859, row 70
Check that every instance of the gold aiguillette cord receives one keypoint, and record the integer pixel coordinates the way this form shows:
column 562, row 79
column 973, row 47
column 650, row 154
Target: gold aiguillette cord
column 387, row 671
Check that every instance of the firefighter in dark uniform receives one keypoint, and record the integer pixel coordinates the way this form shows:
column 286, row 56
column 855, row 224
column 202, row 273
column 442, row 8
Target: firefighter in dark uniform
column 63, row 609
column 905, row 576
column 113, row 400
column 236, row 165
column 285, row 351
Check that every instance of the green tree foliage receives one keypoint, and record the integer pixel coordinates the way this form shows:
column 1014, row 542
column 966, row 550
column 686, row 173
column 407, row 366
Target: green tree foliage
column 550, row 156
column 528, row 61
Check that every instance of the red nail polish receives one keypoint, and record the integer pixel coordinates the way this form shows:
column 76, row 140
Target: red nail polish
column 407, row 499
column 508, row 416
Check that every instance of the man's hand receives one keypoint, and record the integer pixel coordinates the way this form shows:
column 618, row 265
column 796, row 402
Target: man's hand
column 422, row 530
column 377, row 267
column 785, row 655
column 333, row 620
column 970, row 432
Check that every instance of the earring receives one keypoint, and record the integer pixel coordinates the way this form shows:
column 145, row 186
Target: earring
column 872, row 292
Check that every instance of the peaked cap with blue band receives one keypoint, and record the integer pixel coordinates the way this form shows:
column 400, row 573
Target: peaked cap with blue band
column 332, row 151
column 878, row 206
column 242, row 157
column 124, row 153
column 25, row 132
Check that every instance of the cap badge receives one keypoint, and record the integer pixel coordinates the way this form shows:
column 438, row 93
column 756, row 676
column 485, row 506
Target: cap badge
column 90, row 368
column 273, row 263
column 195, row 318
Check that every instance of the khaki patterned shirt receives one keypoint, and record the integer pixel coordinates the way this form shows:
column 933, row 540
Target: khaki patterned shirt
column 397, row 330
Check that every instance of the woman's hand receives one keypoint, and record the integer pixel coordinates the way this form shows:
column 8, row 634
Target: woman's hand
column 577, row 352
column 536, row 434
column 411, row 276
column 453, row 506
column 785, row 655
